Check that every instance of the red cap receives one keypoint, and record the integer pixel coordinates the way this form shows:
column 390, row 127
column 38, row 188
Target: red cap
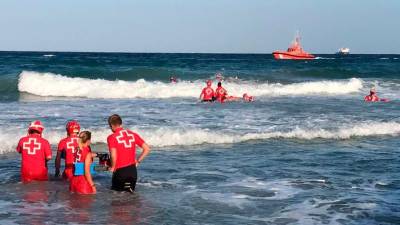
column 73, row 127
column 36, row 125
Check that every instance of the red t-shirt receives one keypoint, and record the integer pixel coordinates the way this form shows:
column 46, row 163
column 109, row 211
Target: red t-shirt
column 372, row 98
column 124, row 141
column 68, row 145
column 220, row 94
column 208, row 93
column 34, row 151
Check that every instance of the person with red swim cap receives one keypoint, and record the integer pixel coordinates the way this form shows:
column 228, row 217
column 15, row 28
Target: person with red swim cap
column 35, row 152
column 207, row 94
column 122, row 146
column 83, row 184
column 66, row 148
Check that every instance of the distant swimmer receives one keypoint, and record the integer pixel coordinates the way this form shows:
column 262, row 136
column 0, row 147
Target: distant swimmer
column 83, row 184
column 35, row 152
column 219, row 77
column 220, row 93
column 173, row 79
column 372, row 97
column 66, row 148
column 207, row 94
column 248, row 98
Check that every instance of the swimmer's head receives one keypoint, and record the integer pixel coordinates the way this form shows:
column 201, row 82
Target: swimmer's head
column 209, row 83
column 372, row 91
column 219, row 84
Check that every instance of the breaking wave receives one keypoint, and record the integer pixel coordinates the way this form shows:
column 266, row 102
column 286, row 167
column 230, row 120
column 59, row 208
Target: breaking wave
column 165, row 136
column 49, row 84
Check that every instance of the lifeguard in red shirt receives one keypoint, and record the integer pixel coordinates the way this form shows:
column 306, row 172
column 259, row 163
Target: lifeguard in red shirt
column 35, row 152
column 83, row 184
column 372, row 97
column 220, row 93
column 122, row 146
column 207, row 94
column 66, row 148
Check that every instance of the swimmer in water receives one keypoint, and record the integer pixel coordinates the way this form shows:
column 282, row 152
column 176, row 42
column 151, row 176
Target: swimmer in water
column 248, row 98
column 173, row 79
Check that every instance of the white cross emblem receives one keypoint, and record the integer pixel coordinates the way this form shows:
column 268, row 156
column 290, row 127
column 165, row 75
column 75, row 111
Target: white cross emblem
column 126, row 138
column 208, row 91
column 71, row 144
column 31, row 146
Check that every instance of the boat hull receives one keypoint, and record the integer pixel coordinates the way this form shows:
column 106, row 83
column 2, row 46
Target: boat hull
column 292, row 56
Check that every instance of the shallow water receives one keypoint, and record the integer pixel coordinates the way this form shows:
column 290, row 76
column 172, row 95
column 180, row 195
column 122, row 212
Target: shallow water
column 307, row 151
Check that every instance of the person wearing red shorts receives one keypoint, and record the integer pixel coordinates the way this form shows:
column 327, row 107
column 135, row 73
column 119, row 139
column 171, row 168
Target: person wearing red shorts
column 66, row 148
column 35, row 152
column 122, row 146
column 83, row 184
column 207, row 94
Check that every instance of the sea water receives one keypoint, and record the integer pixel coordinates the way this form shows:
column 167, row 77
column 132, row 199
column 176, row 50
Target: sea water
column 309, row 150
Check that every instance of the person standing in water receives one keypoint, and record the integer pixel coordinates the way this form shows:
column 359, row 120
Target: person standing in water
column 207, row 94
column 83, row 184
column 35, row 152
column 220, row 93
column 66, row 148
column 122, row 146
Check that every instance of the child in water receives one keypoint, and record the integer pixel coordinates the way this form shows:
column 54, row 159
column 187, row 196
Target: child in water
column 83, row 184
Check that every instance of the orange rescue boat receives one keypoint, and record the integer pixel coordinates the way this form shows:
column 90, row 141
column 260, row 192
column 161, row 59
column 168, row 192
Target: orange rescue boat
column 295, row 51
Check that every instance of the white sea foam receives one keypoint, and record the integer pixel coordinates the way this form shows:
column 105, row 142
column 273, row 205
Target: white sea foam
column 165, row 136
column 49, row 55
column 49, row 84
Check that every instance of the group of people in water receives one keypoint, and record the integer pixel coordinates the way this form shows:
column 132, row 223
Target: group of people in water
column 373, row 97
column 220, row 94
column 75, row 148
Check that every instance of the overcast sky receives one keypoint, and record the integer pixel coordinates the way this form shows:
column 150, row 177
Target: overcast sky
column 222, row 26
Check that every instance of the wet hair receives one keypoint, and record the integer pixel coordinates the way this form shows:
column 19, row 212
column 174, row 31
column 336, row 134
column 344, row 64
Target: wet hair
column 85, row 136
column 114, row 120
column 219, row 84
column 32, row 131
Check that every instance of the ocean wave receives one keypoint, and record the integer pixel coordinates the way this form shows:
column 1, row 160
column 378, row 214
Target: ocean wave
column 49, row 84
column 166, row 136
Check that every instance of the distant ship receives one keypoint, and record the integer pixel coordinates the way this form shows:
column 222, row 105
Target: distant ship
column 343, row 51
column 295, row 51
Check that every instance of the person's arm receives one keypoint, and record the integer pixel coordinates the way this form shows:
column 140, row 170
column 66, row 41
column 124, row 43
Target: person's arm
column 88, row 175
column 113, row 155
column 201, row 94
column 145, row 151
column 19, row 148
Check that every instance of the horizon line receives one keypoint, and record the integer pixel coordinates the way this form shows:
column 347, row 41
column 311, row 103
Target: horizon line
column 216, row 53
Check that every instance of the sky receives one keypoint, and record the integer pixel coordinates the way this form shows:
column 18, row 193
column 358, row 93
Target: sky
column 199, row 26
